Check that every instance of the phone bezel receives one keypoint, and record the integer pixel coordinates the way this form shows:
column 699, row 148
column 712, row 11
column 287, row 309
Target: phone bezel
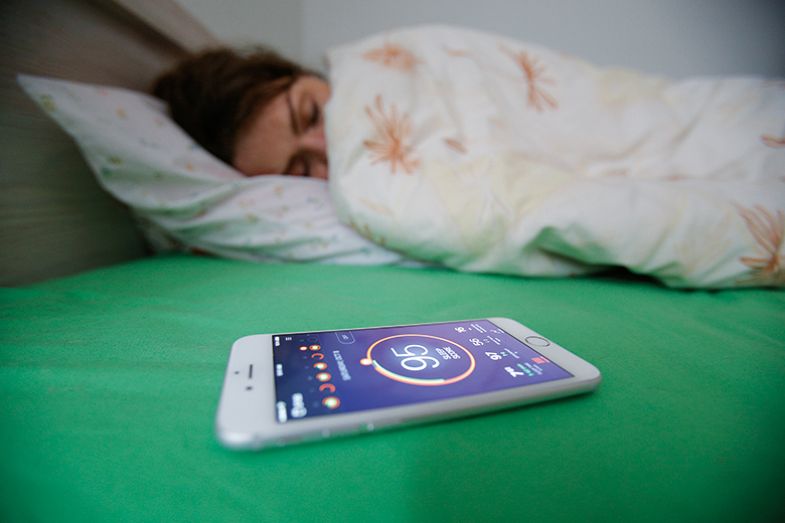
column 246, row 416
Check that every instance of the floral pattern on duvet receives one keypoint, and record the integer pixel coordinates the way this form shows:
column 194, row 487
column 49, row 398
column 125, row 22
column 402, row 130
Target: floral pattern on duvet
column 522, row 160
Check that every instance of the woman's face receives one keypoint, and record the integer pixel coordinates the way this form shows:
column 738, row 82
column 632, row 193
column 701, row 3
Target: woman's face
column 287, row 136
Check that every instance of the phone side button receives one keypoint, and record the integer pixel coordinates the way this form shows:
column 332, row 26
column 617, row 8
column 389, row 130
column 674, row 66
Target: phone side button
column 536, row 341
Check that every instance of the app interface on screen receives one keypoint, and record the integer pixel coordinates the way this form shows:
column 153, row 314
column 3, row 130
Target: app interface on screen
column 345, row 371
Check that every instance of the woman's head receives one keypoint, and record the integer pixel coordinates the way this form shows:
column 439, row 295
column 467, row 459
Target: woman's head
column 257, row 111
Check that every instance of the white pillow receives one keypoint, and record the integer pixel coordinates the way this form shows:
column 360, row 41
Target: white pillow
column 186, row 198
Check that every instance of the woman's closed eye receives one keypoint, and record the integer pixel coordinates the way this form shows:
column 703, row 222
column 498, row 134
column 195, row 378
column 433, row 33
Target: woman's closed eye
column 299, row 167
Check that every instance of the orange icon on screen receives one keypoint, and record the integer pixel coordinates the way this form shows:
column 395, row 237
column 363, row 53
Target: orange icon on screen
column 323, row 376
column 320, row 365
column 327, row 386
column 318, row 355
column 315, row 347
column 331, row 402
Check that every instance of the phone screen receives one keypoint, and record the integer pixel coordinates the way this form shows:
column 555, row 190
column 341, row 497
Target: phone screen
column 325, row 373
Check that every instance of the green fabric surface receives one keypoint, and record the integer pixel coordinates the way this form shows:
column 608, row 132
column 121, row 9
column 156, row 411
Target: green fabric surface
column 110, row 380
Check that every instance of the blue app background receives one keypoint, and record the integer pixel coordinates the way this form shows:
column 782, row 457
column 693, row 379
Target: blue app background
column 345, row 371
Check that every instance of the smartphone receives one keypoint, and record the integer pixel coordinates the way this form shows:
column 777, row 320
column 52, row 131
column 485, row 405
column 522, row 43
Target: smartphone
column 286, row 388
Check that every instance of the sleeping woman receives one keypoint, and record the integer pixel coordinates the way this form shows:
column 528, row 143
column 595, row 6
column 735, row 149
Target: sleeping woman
column 487, row 154
column 257, row 111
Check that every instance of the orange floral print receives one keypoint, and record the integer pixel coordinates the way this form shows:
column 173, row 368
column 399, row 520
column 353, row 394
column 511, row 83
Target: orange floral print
column 458, row 53
column 534, row 74
column 392, row 134
column 455, row 145
column 393, row 56
column 768, row 230
column 773, row 141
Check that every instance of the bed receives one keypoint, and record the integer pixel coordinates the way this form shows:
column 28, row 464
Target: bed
column 111, row 360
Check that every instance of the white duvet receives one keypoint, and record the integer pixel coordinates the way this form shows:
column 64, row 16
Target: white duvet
column 488, row 154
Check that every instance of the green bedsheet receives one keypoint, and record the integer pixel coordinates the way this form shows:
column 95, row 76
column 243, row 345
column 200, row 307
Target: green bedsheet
column 110, row 379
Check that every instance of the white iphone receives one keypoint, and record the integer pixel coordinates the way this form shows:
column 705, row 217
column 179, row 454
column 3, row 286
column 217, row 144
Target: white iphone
column 291, row 387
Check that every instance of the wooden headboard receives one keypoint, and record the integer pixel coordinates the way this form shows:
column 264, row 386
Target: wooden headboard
column 54, row 218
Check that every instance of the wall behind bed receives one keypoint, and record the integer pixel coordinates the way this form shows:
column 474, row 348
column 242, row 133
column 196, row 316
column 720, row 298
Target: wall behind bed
column 273, row 22
column 671, row 37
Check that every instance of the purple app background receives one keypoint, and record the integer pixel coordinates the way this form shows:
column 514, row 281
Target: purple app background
column 332, row 372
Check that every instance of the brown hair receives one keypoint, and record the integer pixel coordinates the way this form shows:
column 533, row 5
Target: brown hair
column 212, row 95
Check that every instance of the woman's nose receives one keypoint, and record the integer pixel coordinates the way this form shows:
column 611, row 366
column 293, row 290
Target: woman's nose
column 314, row 141
column 314, row 144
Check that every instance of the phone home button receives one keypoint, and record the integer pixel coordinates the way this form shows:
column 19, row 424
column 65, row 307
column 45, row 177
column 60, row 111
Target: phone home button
column 536, row 341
